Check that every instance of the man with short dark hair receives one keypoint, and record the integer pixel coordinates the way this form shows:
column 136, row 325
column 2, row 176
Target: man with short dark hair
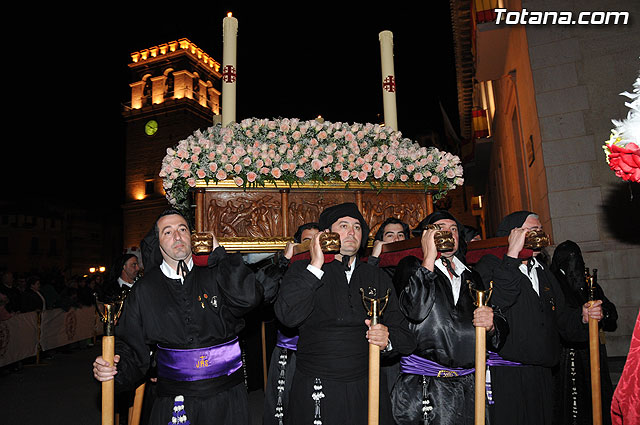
column 324, row 301
column 193, row 315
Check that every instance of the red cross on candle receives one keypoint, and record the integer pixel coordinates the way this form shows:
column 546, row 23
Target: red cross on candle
column 229, row 74
column 389, row 84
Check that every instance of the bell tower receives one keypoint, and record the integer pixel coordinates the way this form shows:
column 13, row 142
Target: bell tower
column 175, row 90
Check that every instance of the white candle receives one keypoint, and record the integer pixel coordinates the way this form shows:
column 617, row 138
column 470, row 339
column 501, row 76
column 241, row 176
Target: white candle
column 388, row 80
column 229, row 40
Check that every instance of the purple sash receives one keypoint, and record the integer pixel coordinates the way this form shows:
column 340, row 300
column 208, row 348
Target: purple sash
column 494, row 359
column 290, row 343
column 417, row 365
column 199, row 363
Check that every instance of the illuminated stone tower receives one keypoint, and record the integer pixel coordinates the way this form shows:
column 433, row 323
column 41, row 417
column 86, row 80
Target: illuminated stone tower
column 175, row 90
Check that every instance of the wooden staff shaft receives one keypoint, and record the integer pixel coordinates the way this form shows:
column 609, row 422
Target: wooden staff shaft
column 374, row 384
column 594, row 353
column 108, row 351
column 136, row 410
column 481, row 377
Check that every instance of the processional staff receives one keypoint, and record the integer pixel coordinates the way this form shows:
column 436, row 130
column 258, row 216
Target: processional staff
column 594, row 352
column 481, row 299
column 374, row 307
column 109, row 315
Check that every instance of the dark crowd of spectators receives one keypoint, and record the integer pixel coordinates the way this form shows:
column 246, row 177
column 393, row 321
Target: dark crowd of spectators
column 21, row 293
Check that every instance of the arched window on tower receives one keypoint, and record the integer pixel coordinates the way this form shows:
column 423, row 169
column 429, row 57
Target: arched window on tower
column 196, row 87
column 169, row 85
column 146, row 92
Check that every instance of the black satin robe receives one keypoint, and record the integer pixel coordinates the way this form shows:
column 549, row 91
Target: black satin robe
column 524, row 395
column 332, row 346
column 445, row 334
column 163, row 311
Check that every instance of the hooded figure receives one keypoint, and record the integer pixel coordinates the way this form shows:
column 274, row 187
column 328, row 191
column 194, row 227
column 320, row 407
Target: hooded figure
column 325, row 303
column 572, row 380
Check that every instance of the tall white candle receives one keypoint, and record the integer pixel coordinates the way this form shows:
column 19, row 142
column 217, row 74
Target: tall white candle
column 229, row 39
column 388, row 80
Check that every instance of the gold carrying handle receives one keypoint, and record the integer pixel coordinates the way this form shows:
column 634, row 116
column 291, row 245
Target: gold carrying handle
column 443, row 238
column 329, row 242
column 481, row 298
column 536, row 239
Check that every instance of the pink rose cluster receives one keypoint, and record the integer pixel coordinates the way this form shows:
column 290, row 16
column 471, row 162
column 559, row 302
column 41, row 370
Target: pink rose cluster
column 255, row 151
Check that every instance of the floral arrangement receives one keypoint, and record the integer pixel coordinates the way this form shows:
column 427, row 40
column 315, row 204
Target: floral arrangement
column 256, row 151
column 622, row 150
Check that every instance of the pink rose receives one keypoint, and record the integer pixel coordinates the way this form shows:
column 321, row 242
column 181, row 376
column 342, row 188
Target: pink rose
column 316, row 164
column 221, row 175
column 184, row 166
column 259, row 163
column 194, row 158
column 228, row 167
column 338, row 166
column 237, row 168
column 625, row 161
column 200, row 173
column 386, row 167
column 183, row 154
column 191, row 182
column 251, row 176
column 186, row 174
column 434, row 179
column 366, row 167
column 212, row 156
column 276, row 173
column 404, row 177
column 327, row 170
column 410, row 168
column 391, row 177
column 378, row 173
column 418, row 177
column 238, row 181
column 362, row 176
column 265, row 170
column 344, row 175
column 284, row 166
column 300, row 174
column 246, row 161
column 450, row 173
column 176, row 163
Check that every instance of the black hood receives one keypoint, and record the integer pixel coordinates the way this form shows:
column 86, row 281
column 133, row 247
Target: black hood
column 512, row 221
column 331, row 214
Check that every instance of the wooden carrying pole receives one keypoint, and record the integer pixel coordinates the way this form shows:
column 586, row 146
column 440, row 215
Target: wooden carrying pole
column 135, row 411
column 109, row 318
column 594, row 354
column 374, row 308
column 481, row 371
column 374, row 373
column 481, row 299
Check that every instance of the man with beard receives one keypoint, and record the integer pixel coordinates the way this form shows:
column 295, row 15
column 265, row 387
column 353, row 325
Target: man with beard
column 534, row 305
column 324, row 301
column 193, row 315
column 572, row 377
column 437, row 382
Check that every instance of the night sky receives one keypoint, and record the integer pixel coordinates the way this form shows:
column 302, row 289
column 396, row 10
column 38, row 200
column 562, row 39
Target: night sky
column 292, row 62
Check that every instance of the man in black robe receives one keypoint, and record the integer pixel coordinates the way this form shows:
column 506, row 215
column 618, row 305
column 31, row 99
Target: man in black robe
column 283, row 359
column 572, row 376
column 437, row 382
column 324, row 301
column 534, row 305
column 193, row 315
